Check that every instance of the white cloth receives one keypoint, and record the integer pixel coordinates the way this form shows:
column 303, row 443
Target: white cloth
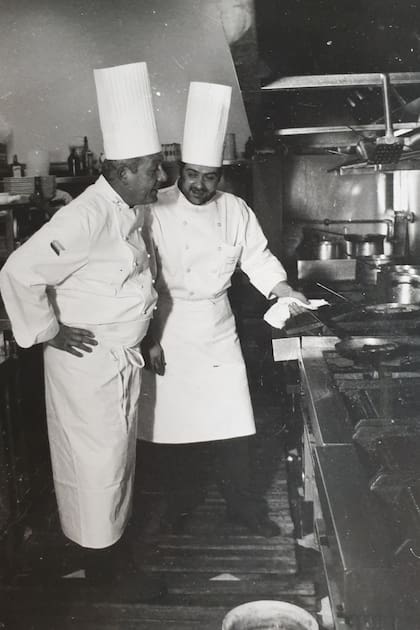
column 126, row 111
column 279, row 313
column 204, row 393
column 205, row 125
column 99, row 280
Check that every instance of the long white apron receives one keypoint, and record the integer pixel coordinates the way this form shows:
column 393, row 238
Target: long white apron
column 92, row 406
column 203, row 395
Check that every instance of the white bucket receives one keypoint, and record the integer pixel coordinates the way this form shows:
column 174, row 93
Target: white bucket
column 269, row 615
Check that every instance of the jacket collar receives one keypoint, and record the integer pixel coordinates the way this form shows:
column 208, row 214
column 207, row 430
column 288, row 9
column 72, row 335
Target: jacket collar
column 105, row 189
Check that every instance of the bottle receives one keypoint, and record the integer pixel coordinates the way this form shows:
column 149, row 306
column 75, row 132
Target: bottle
column 17, row 170
column 38, row 195
column 86, row 165
column 73, row 162
column 249, row 148
column 87, row 158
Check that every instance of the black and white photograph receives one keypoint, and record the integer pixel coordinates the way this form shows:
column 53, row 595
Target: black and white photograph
column 210, row 315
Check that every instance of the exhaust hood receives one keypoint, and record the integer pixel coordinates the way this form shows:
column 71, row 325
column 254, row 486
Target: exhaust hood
column 351, row 100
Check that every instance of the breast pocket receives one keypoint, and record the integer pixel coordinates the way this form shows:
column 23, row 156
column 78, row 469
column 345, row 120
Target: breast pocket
column 229, row 257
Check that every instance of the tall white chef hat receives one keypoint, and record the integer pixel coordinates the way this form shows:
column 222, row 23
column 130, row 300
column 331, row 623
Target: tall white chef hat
column 205, row 123
column 126, row 111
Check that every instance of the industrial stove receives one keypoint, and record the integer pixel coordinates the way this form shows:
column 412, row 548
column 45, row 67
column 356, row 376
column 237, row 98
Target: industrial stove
column 362, row 471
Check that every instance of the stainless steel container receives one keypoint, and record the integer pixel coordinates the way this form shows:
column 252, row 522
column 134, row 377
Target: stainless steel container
column 326, row 249
column 410, row 269
column 403, row 288
column 364, row 244
column 368, row 268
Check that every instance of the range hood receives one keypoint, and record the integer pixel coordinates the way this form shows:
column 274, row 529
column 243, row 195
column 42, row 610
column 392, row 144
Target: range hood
column 374, row 144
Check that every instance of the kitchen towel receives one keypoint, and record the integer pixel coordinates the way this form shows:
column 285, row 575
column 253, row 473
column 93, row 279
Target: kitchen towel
column 279, row 313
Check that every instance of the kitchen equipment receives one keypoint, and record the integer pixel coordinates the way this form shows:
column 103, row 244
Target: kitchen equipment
column 37, row 163
column 339, row 295
column 368, row 349
column 390, row 268
column 364, row 244
column 368, row 268
column 26, row 185
column 326, row 249
column 318, row 246
column 269, row 614
column 403, row 288
column 391, row 308
column 388, row 148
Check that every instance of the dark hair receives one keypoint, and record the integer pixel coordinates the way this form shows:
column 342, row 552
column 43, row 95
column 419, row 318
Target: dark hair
column 110, row 167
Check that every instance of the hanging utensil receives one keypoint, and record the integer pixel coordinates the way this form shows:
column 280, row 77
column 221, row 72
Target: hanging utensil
column 388, row 148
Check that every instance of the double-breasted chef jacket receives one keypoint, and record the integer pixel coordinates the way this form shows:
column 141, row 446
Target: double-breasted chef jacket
column 203, row 395
column 88, row 267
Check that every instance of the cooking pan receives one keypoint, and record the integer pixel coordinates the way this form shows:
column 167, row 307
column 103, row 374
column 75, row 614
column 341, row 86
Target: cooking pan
column 369, row 349
column 391, row 308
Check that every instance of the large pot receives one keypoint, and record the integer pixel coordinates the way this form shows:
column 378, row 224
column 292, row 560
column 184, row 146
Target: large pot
column 403, row 288
column 316, row 246
column 369, row 267
column 364, row 244
column 326, row 249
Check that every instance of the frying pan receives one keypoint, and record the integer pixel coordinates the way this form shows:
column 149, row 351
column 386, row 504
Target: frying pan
column 369, row 349
column 391, row 308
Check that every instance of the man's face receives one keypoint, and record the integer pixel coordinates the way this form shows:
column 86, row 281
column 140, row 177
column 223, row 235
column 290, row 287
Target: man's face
column 142, row 187
column 199, row 183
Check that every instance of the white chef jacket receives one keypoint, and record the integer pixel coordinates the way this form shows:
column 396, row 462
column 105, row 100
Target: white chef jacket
column 100, row 275
column 88, row 267
column 203, row 395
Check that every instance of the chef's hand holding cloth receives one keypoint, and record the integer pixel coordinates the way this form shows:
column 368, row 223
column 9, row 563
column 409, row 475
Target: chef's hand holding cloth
column 289, row 304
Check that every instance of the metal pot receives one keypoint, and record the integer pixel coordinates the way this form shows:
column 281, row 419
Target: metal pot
column 326, row 249
column 317, row 246
column 364, row 244
column 410, row 269
column 368, row 268
column 403, row 288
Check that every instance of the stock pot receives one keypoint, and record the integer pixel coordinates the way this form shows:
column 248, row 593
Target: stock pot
column 364, row 244
column 403, row 288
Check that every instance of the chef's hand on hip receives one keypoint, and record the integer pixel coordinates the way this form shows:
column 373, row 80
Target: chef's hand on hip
column 155, row 360
column 72, row 340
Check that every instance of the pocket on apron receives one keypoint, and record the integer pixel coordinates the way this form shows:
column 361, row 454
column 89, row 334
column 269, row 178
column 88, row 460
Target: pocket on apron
column 229, row 256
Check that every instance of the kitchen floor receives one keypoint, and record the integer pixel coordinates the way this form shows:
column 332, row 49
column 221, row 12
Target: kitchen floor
column 210, row 567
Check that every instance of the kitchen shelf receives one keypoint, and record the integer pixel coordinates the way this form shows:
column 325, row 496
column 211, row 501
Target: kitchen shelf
column 300, row 131
column 368, row 79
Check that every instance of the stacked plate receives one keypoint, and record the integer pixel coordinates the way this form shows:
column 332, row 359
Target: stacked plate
column 26, row 185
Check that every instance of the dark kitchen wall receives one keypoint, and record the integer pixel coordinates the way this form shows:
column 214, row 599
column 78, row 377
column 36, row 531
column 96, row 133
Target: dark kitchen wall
column 337, row 36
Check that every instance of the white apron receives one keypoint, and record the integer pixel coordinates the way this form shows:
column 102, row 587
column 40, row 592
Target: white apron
column 203, row 395
column 92, row 405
